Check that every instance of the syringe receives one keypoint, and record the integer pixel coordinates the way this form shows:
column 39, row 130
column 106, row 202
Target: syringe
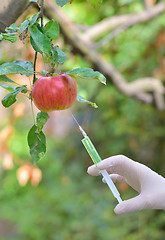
column 96, row 159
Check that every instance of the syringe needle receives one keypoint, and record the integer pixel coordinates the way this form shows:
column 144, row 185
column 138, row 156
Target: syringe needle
column 96, row 159
column 81, row 129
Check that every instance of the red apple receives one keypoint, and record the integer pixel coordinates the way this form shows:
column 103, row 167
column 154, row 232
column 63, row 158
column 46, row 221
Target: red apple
column 54, row 93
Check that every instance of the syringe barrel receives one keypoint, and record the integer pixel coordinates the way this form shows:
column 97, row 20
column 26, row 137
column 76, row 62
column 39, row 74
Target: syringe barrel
column 91, row 150
column 96, row 159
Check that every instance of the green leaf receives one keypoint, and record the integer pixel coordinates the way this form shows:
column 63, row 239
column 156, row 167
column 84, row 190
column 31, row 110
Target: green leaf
column 54, row 58
column 26, row 65
column 34, row 45
column 24, row 25
column 12, row 28
column 1, row 36
column 34, row 19
column 82, row 99
column 61, row 55
column 37, row 143
column 62, row 2
column 8, row 87
column 42, row 41
column 10, row 37
column 10, row 98
column 28, row 22
column 86, row 73
column 4, row 78
column 11, row 68
column 42, row 118
column 25, row 90
column 51, row 29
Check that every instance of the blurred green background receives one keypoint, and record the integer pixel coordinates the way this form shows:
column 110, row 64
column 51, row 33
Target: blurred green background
column 68, row 203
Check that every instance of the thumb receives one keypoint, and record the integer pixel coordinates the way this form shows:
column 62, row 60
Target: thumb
column 131, row 205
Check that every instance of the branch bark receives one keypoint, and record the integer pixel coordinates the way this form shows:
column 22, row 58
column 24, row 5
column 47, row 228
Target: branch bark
column 108, row 24
column 9, row 12
column 141, row 17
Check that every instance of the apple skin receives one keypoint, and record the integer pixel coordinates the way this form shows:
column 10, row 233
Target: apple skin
column 54, row 93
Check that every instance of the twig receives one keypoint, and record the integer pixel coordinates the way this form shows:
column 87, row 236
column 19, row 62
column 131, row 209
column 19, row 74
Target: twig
column 52, row 69
column 35, row 58
column 42, row 10
column 35, row 61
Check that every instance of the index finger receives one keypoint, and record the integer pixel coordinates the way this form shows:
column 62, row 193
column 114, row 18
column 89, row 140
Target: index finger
column 117, row 164
column 93, row 170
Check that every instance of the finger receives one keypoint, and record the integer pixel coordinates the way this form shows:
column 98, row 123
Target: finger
column 132, row 205
column 93, row 170
column 115, row 178
column 118, row 164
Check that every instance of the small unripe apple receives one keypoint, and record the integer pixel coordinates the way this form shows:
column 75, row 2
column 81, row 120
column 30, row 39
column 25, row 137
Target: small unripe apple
column 54, row 93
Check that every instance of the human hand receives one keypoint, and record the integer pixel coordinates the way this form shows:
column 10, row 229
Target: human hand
column 149, row 184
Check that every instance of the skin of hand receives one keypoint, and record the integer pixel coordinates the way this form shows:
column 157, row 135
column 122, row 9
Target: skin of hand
column 149, row 184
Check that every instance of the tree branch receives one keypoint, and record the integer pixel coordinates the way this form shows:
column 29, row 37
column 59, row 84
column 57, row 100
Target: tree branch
column 104, row 26
column 9, row 12
column 141, row 17
column 147, row 90
column 36, row 53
